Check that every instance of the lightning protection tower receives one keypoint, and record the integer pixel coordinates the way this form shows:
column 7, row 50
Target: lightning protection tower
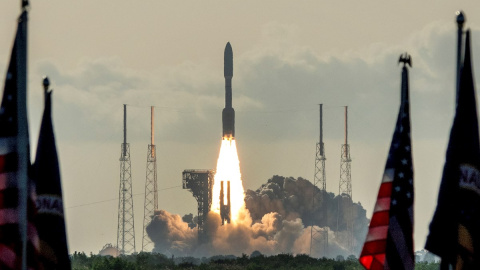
column 345, row 202
column 126, row 227
column 319, row 237
column 151, row 191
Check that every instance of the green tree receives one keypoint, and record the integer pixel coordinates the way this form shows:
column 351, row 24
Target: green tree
column 80, row 261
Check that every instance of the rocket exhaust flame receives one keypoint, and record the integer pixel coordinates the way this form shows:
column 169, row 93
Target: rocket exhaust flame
column 228, row 180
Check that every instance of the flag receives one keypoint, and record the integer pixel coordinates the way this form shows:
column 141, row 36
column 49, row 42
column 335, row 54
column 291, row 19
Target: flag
column 18, row 236
column 455, row 228
column 389, row 241
column 50, row 220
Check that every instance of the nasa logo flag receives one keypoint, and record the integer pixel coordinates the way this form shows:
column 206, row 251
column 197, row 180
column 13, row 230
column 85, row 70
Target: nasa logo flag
column 455, row 228
column 50, row 219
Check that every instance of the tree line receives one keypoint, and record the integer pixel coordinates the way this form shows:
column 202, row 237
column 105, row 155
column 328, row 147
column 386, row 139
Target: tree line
column 256, row 261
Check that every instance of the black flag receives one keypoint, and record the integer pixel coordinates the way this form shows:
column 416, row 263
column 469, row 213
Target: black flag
column 50, row 220
column 455, row 228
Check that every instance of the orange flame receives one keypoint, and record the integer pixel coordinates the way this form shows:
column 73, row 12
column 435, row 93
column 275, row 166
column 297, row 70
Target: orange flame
column 228, row 169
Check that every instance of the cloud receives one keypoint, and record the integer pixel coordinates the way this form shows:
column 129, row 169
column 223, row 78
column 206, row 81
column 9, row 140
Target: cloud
column 276, row 88
column 291, row 82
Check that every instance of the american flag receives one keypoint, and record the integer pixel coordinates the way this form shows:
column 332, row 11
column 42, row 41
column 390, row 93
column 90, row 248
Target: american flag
column 389, row 242
column 18, row 237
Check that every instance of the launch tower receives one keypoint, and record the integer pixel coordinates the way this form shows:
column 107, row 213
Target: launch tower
column 126, row 227
column 151, row 192
column 319, row 238
column 200, row 183
column 345, row 201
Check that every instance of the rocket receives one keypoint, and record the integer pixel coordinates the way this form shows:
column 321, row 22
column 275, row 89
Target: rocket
column 228, row 114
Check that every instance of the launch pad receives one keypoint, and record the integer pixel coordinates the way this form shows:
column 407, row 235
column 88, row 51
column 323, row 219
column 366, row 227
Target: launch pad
column 200, row 183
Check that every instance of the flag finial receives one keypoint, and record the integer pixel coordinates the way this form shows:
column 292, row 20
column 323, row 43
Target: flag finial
column 405, row 59
column 460, row 18
column 46, row 83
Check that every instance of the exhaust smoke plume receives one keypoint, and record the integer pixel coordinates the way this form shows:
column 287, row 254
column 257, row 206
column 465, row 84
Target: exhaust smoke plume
column 277, row 219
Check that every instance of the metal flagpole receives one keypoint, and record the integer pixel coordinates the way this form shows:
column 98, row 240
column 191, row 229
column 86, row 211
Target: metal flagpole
column 460, row 22
column 22, row 125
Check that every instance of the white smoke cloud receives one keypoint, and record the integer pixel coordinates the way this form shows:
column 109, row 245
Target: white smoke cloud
column 271, row 234
column 171, row 234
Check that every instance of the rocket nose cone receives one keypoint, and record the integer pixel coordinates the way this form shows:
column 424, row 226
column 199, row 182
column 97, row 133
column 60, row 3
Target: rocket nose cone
column 228, row 47
column 228, row 60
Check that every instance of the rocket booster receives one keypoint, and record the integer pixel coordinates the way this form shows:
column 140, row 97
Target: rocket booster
column 228, row 114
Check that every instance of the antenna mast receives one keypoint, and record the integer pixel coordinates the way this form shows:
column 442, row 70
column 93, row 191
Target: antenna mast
column 151, row 191
column 126, row 227
column 319, row 237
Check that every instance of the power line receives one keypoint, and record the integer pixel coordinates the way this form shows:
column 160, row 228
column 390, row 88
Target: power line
column 115, row 199
column 188, row 110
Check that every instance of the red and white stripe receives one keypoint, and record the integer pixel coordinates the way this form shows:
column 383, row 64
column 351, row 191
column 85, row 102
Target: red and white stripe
column 373, row 253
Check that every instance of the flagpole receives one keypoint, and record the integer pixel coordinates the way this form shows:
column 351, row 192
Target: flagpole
column 460, row 22
column 444, row 263
column 22, row 125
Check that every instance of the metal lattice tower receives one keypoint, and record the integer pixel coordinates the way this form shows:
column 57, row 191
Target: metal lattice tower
column 319, row 238
column 151, row 191
column 200, row 183
column 126, row 227
column 345, row 201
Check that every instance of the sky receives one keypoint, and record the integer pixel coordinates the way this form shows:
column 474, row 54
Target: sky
column 289, row 56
